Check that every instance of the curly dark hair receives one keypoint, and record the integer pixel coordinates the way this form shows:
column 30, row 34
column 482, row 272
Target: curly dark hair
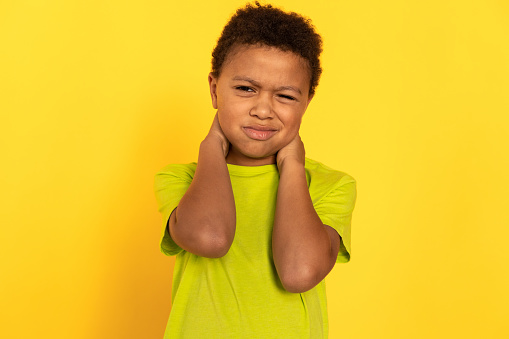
column 266, row 25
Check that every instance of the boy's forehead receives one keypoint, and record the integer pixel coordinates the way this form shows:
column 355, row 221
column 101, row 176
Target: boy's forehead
column 267, row 53
column 237, row 49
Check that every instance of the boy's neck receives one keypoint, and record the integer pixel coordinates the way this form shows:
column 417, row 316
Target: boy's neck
column 236, row 158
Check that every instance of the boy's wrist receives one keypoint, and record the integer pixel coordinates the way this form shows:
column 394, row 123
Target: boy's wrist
column 290, row 164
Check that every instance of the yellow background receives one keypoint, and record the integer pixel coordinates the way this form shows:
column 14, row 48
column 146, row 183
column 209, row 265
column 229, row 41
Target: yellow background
column 97, row 96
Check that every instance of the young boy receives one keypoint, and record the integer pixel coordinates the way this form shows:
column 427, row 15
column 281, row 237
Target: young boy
column 255, row 225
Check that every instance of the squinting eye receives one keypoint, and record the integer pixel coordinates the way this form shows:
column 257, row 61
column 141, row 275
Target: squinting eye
column 286, row 97
column 244, row 88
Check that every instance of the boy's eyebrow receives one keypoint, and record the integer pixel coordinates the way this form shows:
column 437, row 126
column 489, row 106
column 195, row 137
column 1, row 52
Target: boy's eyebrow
column 255, row 83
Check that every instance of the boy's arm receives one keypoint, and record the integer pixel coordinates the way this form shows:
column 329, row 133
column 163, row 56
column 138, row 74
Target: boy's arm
column 204, row 221
column 304, row 249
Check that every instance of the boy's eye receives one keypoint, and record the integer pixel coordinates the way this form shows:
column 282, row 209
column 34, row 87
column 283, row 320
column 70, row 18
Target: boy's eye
column 244, row 88
column 286, row 97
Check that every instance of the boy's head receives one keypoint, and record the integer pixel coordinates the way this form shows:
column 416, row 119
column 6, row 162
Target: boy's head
column 269, row 26
column 265, row 68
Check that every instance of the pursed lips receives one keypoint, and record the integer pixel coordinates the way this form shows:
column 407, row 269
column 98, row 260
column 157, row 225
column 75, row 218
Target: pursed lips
column 259, row 132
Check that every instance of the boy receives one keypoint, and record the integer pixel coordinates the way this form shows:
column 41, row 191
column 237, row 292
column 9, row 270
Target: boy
column 255, row 225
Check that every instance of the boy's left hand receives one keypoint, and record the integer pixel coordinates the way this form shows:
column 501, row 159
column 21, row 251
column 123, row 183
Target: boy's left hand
column 294, row 151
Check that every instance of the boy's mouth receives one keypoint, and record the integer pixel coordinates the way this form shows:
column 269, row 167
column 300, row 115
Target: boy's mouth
column 258, row 132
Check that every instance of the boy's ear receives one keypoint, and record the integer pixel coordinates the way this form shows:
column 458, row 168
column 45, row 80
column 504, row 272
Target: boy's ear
column 213, row 90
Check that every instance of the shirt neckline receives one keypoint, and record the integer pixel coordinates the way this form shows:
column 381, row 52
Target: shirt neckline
column 251, row 170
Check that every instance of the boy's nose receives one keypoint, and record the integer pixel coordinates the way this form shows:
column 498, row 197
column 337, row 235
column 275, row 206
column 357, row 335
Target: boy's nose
column 262, row 108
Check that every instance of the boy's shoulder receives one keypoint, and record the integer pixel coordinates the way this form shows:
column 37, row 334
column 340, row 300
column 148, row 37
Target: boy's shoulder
column 180, row 171
column 316, row 171
column 323, row 180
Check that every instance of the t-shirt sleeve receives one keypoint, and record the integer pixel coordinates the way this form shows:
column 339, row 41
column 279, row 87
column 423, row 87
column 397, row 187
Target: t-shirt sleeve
column 335, row 210
column 170, row 185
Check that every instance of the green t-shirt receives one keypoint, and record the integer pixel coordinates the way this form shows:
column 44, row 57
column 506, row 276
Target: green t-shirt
column 240, row 295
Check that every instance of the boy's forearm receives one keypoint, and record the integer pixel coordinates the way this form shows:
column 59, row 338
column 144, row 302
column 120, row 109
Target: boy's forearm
column 301, row 243
column 204, row 221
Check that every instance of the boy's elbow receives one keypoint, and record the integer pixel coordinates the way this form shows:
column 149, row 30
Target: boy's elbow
column 214, row 245
column 209, row 239
column 300, row 280
column 210, row 242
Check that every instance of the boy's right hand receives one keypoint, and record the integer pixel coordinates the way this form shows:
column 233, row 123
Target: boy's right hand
column 216, row 134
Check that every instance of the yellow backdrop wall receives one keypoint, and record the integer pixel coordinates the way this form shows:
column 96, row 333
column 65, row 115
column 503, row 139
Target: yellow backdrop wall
column 97, row 96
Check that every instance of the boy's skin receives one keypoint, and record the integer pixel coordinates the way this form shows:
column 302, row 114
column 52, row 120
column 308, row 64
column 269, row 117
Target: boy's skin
column 260, row 97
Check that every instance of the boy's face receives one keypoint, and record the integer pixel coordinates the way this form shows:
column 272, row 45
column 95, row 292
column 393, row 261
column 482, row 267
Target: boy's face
column 261, row 96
